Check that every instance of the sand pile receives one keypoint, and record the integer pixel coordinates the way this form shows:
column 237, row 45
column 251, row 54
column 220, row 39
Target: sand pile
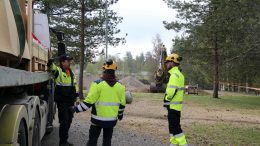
column 133, row 84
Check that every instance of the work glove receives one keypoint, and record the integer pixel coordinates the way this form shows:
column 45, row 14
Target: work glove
column 50, row 61
column 120, row 117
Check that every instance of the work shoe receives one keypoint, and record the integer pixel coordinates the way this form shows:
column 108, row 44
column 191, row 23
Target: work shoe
column 66, row 144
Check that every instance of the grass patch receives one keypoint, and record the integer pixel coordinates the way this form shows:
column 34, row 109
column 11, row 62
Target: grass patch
column 241, row 102
column 231, row 102
column 153, row 96
column 222, row 135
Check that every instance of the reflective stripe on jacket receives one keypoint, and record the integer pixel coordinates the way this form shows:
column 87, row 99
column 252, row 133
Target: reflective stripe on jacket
column 107, row 103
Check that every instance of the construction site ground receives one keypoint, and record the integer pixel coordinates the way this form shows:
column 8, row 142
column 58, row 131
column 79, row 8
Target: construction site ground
column 234, row 119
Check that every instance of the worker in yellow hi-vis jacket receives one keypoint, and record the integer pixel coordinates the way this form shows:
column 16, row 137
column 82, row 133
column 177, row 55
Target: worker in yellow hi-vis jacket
column 66, row 92
column 106, row 97
column 174, row 99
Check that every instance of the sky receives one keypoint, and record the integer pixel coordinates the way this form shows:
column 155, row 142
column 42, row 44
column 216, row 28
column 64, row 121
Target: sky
column 142, row 20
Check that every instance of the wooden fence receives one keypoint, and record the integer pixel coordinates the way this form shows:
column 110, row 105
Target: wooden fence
column 235, row 87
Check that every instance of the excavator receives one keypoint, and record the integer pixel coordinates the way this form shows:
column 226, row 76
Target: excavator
column 161, row 75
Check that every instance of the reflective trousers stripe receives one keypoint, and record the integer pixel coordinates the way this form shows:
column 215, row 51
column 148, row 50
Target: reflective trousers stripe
column 178, row 135
column 108, row 103
column 103, row 119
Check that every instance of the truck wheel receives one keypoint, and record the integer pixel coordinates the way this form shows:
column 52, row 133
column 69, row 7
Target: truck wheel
column 36, row 130
column 22, row 136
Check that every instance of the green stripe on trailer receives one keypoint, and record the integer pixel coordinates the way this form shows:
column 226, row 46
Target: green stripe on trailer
column 19, row 25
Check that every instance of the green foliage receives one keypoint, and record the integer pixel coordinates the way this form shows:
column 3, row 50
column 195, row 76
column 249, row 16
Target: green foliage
column 236, row 101
column 92, row 69
column 151, row 63
column 140, row 62
column 222, row 34
column 157, row 45
column 216, row 132
column 130, row 66
column 65, row 16
column 227, row 101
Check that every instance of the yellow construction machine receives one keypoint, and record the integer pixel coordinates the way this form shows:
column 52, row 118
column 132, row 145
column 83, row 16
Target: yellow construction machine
column 161, row 75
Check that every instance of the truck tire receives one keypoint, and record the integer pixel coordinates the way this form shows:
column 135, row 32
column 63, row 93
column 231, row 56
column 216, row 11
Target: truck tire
column 36, row 130
column 22, row 135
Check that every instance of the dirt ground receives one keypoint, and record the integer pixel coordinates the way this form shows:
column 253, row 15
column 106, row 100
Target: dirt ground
column 78, row 134
column 149, row 117
column 145, row 123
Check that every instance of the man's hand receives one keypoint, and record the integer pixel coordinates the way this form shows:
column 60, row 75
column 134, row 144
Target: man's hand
column 120, row 117
column 50, row 61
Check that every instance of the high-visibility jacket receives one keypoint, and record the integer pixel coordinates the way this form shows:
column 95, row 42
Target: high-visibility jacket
column 66, row 88
column 107, row 102
column 174, row 90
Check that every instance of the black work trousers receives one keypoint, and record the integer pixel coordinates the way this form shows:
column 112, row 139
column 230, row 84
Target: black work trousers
column 174, row 121
column 65, row 118
column 94, row 133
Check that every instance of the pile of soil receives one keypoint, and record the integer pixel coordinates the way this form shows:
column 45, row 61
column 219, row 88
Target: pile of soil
column 133, row 84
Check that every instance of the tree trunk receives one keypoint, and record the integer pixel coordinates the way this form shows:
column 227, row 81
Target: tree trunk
column 247, row 89
column 216, row 75
column 238, row 86
column 82, row 48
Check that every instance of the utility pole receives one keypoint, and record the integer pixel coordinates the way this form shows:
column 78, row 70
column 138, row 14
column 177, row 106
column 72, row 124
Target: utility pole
column 82, row 48
column 123, row 67
column 106, row 31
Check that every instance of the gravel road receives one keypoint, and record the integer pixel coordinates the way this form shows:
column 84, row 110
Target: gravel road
column 78, row 134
